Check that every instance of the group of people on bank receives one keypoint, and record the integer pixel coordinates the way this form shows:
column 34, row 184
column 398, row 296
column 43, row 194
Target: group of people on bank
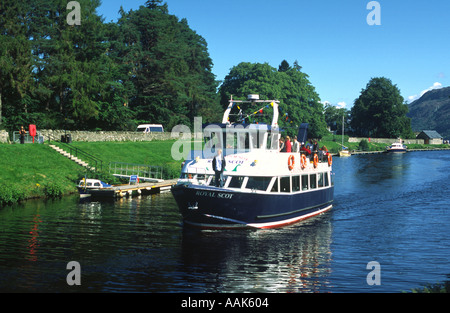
column 300, row 147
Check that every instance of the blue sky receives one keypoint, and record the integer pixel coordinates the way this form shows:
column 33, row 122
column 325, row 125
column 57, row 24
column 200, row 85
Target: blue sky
column 331, row 40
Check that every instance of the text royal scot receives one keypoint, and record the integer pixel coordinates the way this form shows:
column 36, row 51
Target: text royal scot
column 230, row 303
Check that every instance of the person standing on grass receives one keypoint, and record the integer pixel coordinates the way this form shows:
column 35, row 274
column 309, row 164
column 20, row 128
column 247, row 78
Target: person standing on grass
column 22, row 133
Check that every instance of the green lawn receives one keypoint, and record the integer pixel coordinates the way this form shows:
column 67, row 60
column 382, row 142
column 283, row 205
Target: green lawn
column 155, row 153
column 34, row 170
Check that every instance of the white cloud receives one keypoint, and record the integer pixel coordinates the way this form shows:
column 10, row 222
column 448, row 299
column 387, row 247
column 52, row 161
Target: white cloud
column 436, row 85
column 341, row 105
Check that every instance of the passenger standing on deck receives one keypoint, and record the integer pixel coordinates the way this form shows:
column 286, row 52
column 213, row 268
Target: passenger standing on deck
column 219, row 164
column 296, row 145
column 282, row 145
column 287, row 144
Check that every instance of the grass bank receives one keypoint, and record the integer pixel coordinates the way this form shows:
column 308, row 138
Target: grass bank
column 35, row 171
column 155, row 153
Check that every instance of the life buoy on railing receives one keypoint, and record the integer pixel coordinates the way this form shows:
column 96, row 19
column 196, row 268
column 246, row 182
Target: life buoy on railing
column 330, row 160
column 291, row 162
column 316, row 160
column 303, row 161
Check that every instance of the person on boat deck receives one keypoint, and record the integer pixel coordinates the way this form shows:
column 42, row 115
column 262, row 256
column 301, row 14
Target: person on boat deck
column 287, row 144
column 282, row 145
column 296, row 145
column 323, row 153
column 305, row 150
column 315, row 147
column 218, row 164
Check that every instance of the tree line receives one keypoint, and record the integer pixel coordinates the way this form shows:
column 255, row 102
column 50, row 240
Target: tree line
column 149, row 66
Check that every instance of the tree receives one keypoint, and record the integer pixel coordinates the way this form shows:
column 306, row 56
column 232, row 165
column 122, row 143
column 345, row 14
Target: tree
column 284, row 66
column 299, row 101
column 16, row 81
column 380, row 111
column 333, row 117
column 169, row 67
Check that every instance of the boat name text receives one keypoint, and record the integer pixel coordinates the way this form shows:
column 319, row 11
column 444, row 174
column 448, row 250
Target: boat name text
column 219, row 195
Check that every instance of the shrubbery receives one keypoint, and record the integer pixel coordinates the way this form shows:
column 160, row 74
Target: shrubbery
column 9, row 195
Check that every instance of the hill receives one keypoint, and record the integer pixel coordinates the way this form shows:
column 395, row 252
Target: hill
column 432, row 112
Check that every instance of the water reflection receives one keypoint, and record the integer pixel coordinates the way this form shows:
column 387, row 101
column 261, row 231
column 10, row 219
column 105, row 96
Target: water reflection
column 390, row 209
column 294, row 259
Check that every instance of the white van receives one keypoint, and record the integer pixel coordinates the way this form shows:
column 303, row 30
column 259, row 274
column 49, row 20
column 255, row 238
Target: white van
column 150, row 128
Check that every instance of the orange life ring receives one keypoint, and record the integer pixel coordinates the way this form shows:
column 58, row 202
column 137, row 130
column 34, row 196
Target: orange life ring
column 303, row 161
column 330, row 160
column 316, row 160
column 291, row 162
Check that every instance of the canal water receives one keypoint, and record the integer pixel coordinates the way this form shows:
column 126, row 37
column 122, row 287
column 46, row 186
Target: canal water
column 389, row 209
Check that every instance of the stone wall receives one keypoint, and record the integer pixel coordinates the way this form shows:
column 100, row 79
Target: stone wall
column 90, row 136
column 387, row 141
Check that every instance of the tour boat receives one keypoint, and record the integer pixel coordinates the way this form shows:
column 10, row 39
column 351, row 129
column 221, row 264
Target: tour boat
column 396, row 147
column 262, row 187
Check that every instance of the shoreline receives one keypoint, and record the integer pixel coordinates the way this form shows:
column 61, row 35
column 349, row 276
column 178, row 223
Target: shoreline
column 11, row 194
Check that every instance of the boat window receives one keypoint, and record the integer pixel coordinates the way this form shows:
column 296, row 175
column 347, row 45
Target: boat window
column 275, row 186
column 320, row 183
column 327, row 182
column 295, row 183
column 243, row 141
column 285, row 184
column 258, row 183
column 96, row 184
column 89, row 184
column 313, row 181
column 236, row 182
column 305, row 182
column 200, row 176
column 273, row 141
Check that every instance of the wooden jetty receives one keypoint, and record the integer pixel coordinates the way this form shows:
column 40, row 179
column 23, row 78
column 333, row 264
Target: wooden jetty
column 120, row 191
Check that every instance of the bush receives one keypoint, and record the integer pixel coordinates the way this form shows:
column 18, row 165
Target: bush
column 10, row 194
column 53, row 190
column 363, row 145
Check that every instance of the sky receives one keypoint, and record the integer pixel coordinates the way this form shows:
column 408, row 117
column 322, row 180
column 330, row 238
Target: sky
column 332, row 40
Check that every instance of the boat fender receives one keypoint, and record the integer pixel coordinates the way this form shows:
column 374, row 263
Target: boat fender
column 291, row 162
column 316, row 160
column 303, row 161
column 330, row 160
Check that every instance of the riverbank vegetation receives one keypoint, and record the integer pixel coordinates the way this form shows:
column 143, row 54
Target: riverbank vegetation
column 37, row 171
